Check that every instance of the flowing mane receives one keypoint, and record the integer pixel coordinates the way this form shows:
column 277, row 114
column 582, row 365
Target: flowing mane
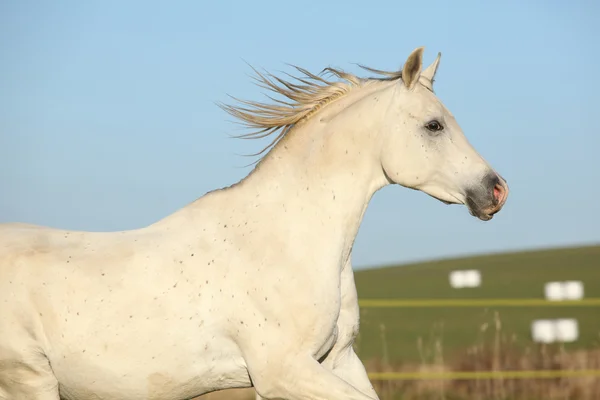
column 304, row 96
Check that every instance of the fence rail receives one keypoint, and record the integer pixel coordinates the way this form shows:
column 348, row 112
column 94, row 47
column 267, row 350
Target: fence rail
column 402, row 303
column 476, row 375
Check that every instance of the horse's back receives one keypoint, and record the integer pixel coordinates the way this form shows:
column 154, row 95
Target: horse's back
column 34, row 247
column 20, row 242
column 20, row 239
column 42, row 268
column 30, row 256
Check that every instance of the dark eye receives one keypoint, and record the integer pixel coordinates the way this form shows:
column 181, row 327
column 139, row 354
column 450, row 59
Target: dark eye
column 434, row 126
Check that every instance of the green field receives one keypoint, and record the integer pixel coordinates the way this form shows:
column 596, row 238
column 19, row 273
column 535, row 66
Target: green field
column 393, row 334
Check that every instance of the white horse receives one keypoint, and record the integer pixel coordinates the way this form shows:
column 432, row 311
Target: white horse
column 250, row 285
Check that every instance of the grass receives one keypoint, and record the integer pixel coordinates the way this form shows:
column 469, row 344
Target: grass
column 504, row 276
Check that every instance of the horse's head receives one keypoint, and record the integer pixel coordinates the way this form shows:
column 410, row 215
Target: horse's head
column 436, row 158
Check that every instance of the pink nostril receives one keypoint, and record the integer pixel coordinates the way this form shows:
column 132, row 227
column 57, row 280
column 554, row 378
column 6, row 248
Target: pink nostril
column 498, row 193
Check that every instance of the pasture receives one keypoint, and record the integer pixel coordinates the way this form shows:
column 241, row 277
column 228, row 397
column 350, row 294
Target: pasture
column 504, row 276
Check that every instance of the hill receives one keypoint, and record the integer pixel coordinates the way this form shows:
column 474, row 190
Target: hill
column 408, row 335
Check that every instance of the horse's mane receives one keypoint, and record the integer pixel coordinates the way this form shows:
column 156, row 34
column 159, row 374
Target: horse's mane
column 304, row 96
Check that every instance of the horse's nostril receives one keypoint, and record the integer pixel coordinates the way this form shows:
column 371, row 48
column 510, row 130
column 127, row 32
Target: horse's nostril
column 498, row 193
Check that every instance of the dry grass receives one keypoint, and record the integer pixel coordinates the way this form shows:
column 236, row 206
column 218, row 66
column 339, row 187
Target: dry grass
column 495, row 351
column 580, row 388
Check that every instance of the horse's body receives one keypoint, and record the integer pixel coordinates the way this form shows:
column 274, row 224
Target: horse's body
column 251, row 285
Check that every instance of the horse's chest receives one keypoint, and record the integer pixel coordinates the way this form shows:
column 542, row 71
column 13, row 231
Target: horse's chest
column 316, row 322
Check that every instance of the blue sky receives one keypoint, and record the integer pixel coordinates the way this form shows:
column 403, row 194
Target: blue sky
column 108, row 118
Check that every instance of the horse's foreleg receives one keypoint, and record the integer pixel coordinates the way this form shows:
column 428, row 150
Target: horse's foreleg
column 301, row 378
column 348, row 366
column 342, row 359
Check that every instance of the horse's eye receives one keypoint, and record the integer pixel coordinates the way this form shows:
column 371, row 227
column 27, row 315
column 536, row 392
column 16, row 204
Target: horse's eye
column 434, row 126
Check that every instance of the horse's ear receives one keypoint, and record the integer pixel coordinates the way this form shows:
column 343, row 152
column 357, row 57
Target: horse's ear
column 430, row 71
column 412, row 68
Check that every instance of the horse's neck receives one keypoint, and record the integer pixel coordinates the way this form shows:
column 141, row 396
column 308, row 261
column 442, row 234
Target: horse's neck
column 313, row 187
column 324, row 175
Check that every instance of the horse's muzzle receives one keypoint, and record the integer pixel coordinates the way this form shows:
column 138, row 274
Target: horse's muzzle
column 488, row 198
